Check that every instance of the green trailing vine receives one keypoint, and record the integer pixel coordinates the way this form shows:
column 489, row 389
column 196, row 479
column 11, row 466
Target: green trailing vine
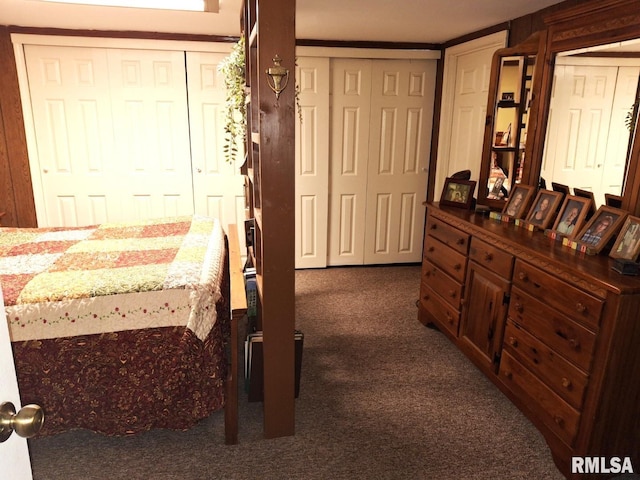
column 233, row 69
column 630, row 118
column 235, row 128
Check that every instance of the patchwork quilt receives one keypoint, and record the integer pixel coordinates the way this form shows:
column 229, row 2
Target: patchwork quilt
column 61, row 282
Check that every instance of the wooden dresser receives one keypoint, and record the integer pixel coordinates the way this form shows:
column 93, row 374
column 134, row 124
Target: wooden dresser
column 557, row 331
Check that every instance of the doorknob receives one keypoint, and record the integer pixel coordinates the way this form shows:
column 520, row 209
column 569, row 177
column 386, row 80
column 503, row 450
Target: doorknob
column 26, row 423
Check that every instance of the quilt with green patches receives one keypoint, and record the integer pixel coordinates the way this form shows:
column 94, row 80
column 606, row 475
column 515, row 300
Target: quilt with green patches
column 111, row 277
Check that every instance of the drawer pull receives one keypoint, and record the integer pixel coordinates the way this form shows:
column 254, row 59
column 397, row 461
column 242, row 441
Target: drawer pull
column 523, row 276
column 428, row 273
column 566, row 383
column 460, row 241
column 434, row 226
column 452, row 293
column 580, row 308
column 575, row 344
column 513, row 342
column 430, row 249
column 559, row 421
column 457, row 266
column 449, row 318
column 518, row 307
column 426, row 297
column 488, row 257
column 508, row 374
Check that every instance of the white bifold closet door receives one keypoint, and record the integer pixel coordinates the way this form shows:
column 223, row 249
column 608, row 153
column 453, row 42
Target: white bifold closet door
column 127, row 134
column 380, row 136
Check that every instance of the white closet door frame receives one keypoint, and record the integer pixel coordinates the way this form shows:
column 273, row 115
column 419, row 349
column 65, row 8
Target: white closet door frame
column 19, row 40
column 481, row 46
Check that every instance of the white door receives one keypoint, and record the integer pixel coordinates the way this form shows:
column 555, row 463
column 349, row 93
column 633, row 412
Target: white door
column 348, row 171
column 14, row 451
column 312, row 162
column 380, row 135
column 151, row 125
column 112, row 134
column 585, row 140
column 71, row 109
column 464, row 106
column 218, row 186
column 400, row 125
column 618, row 136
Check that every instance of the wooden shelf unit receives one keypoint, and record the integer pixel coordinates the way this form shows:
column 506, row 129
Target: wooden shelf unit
column 269, row 29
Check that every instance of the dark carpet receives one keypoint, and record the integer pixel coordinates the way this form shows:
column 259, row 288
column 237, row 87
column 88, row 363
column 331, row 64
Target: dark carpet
column 382, row 397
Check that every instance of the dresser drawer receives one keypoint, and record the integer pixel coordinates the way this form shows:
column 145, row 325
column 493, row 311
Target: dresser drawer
column 448, row 235
column 557, row 294
column 544, row 403
column 445, row 315
column 563, row 377
column 442, row 284
column 450, row 261
column 569, row 338
column 491, row 257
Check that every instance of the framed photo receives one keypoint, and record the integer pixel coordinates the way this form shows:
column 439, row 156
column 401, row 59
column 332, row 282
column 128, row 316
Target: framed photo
column 627, row 245
column 572, row 215
column 544, row 208
column 602, row 226
column 457, row 192
column 518, row 201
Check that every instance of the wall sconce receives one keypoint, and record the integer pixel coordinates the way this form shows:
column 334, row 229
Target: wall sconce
column 277, row 76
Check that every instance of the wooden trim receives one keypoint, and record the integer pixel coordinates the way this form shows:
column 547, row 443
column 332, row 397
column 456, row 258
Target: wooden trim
column 368, row 44
column 238, row 312
column 122, row 34
column 20, row 206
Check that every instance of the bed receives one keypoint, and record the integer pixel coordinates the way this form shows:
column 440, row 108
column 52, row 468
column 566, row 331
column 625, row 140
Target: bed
column 120, row 328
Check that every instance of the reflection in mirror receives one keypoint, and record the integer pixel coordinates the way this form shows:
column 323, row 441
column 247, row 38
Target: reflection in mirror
column 593, row 99
column 510, row 124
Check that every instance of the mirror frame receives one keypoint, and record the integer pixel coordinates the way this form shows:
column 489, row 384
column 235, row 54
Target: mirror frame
column 593, row 23
column 533, row 45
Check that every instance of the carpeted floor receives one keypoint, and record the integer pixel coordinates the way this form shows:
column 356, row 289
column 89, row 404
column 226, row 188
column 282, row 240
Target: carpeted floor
column 382, row 397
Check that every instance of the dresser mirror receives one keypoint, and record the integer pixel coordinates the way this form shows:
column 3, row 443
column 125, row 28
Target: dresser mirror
column 591, row 115
column 584, row 133
column 509, row 113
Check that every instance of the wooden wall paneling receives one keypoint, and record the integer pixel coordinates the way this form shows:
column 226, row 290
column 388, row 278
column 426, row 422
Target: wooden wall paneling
column 14, row 160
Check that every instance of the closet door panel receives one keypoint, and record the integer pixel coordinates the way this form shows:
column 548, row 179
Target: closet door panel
column 351, row 105
column 71, row 109
column 401, row 113
column 312, row 162
column 217, row 183
column 151, row 126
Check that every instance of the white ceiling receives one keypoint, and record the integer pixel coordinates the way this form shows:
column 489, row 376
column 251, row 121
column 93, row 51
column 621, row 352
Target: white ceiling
column 428, row 21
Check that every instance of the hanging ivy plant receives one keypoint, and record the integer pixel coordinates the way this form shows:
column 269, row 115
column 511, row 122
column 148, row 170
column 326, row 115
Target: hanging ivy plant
column 233, row 68
column 630, row 118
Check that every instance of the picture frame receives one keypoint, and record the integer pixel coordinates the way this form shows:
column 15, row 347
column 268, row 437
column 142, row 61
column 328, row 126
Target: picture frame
column 579, row 192
column 544, row 208
column 457, row 192
column 518, row 201
column 627, row 244
column 560, row 187
column 572, row 215
column 602, row 226
column 611, row 200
